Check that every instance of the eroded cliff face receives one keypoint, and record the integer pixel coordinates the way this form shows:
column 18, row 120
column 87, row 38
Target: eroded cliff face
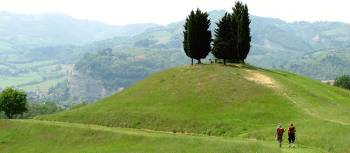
column 84, row 88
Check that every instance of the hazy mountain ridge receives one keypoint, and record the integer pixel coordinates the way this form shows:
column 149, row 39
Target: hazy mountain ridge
column 280, row 44
column 53, row 29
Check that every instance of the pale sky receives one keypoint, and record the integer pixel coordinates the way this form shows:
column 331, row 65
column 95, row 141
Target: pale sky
column 120, row 12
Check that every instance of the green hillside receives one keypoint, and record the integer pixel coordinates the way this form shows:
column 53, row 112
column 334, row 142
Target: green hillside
column 234, row 101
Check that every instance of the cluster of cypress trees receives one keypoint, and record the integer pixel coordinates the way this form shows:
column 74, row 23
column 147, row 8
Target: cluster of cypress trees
column 232, row 36
column 197, row 36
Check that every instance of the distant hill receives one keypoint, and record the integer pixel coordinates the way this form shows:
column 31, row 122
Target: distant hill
column 57, row 29
column 323, row 65
column 278, row 44
column 38, row 51
column 233, row 101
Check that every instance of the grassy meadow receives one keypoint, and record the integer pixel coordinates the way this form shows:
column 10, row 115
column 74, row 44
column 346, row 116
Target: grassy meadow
column 51, row 137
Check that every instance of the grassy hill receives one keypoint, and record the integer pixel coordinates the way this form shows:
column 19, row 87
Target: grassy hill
column 236, row 101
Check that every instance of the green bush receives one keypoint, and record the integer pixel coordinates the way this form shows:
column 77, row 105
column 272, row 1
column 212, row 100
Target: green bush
column 343, row 82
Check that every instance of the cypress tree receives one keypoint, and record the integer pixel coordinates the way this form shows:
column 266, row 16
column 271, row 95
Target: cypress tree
column 197, row 36
column 241, row 16
column 186, row 35
column 225, row 39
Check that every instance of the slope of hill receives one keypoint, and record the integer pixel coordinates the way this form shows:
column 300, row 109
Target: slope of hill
column 232, row 101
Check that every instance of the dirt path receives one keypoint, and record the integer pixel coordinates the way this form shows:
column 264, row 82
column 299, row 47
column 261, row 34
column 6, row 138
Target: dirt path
column 267, row 81
column 130, row 131
column 262, row 79
column 309, row 112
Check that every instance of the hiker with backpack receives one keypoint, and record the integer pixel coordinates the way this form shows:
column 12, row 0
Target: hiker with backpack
column 279, row 134
column 291, row 135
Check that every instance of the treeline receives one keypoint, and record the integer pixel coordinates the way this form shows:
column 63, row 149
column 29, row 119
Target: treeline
column 232, row 36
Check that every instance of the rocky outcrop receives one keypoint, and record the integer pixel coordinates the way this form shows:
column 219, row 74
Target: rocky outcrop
column 84, row 88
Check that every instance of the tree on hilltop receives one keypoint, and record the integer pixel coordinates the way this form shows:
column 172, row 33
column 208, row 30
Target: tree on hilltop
column 241, row 16
column 233, row 38
column 197, row 36
column 225, row 39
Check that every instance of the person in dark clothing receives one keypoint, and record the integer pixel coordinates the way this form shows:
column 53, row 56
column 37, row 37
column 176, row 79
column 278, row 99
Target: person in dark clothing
column 279, row 134
column 291, row 135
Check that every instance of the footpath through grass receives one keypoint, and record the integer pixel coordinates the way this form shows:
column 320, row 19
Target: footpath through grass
column 31, row 136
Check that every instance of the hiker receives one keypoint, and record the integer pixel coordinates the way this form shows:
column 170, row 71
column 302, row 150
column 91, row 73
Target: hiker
column 291, row 135
column 279, row 134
